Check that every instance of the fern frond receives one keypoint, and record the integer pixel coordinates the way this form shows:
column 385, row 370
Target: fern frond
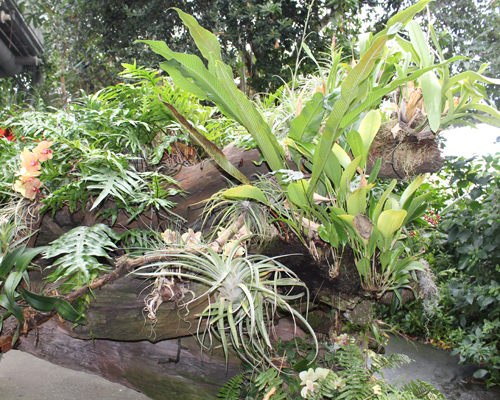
column 78, row 250
column 232, row 389
column 422, row 390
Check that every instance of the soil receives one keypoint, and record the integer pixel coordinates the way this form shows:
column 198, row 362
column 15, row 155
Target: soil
column 316, row 274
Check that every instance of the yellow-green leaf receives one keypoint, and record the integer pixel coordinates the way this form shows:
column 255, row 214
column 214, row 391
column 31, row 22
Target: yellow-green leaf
column 390, row 221
column 246, row 192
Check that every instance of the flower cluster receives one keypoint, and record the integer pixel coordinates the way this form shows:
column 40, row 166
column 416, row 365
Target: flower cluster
column 28, row 184
column 432, row 218
column 308, row 380
column 190, row 238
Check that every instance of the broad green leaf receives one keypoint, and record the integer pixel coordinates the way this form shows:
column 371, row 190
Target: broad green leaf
column 419, row 43
column 333, row 170
column 306, row 126
column 347, row 177
column 412, row 187
column 374, row 97
column 225, row 94
column 252, row 120
column 369, row 128
column 297, row 192
column 473, row 76
column 39, row 302
column 341, row 155
column 375, row 170
column 183, row 83
column 205, row 40
column 67, row 311
column 356, row 142
column 210, row 147
column 246, row 192
column 356, row 202
column 9, row 260
column 10, row 285
column 12, row 307
column 363, row 267
column 390, row 221
column 431, row 89
column 27, row 256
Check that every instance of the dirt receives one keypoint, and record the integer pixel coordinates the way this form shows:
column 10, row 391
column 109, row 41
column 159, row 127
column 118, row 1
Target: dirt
column 316, row 275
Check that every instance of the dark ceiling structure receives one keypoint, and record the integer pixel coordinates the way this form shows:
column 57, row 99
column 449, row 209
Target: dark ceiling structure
column 19, row 43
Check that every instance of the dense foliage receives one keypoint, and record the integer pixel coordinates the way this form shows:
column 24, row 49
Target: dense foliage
column 116, row 152
column 463, row 252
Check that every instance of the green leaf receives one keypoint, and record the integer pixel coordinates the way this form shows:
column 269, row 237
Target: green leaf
column 297, row 192
column 363, row 266
column 390, row 221
column 305, row 127
column 431, row 89
column 341, row 155
column 10, row 285
column 412, row 187
column 246, row 192
column 356, row 202
column 27, row 256
column 375, row 170
column 205, row 40
column 356, row 142
column 419, row 43
column 67, row 311
column 347, row 177
column 39, row 302
column 349, row 92
column 333, row 170
column 369, row 127
column 9, row 260
column 223, row 91
column 210, row 147
column 12, row 307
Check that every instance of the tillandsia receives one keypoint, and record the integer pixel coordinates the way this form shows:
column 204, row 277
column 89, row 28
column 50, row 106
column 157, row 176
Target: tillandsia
column 28, row 184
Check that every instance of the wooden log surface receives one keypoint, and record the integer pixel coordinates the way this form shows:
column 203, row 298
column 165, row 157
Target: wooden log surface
column 147, row 367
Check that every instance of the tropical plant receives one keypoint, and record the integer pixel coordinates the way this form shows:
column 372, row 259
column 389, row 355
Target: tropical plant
column 77, row 253
column 243, row 294
column 351, row 379
column 15, row 293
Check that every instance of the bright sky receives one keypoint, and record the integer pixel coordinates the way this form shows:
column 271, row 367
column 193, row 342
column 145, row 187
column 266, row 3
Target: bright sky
column 466, row 141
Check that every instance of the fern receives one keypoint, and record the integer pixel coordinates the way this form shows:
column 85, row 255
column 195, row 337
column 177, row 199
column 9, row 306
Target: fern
column 232, row 389
column 422, row 390
column 78, row 250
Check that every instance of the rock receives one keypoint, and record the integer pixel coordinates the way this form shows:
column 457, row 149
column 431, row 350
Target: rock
column 362, row 314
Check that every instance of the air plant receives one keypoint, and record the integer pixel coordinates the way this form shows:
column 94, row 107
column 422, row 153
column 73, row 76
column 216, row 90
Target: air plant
column 243, row 295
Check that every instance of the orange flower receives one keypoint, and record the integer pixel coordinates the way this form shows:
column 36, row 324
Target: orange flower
column 28, row 186
column 42, row 151
column 19, row 187
column 32, row 188
column 29, row 162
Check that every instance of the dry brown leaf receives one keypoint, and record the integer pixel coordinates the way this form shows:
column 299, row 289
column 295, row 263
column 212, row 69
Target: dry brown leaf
column 270, row 393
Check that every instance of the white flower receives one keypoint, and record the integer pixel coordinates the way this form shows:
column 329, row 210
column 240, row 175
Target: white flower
column 308, row 375
column 377, row 390
column 309, row 386
column 322, row 372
